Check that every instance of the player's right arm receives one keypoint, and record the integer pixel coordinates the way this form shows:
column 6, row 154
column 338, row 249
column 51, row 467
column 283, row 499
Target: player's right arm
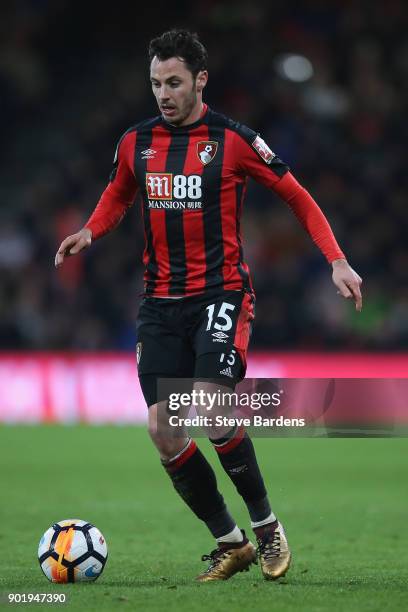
column 115, row 201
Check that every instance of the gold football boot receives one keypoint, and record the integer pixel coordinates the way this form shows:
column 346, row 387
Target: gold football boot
column 228, row 559
column 273, row 551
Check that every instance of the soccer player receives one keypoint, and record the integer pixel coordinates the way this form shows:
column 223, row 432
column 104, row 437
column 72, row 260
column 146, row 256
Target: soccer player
column 190, row 166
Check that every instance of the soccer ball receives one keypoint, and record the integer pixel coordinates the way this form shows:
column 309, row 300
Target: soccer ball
column 72, row 551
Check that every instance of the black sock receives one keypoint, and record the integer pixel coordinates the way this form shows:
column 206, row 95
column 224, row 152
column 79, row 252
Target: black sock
column 237, row 455
column 195, row 482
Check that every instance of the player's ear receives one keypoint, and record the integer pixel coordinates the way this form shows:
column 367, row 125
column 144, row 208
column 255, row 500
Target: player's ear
column 201, row 80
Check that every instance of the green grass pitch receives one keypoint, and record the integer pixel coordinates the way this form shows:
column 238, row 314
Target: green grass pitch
column 342, row 501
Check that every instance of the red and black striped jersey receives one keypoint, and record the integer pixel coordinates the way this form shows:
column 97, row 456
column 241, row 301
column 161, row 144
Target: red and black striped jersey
column 192, row 182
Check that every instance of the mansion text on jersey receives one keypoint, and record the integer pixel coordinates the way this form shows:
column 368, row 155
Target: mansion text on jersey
column 175, row 205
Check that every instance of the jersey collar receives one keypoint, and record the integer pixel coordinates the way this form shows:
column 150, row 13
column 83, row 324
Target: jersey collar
column 190, row 126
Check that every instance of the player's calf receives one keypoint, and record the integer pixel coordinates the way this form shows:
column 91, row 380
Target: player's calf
column 194, row 480
column 237, row 456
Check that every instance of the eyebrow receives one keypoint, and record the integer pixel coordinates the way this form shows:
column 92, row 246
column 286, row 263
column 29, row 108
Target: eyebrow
column 170, row 78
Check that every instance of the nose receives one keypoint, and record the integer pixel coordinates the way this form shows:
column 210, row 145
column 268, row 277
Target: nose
column 163, row 94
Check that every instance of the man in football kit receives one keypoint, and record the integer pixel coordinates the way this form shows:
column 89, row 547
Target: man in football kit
column 190, row 166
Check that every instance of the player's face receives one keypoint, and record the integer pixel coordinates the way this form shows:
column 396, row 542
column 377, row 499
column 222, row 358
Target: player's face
column 177, row 92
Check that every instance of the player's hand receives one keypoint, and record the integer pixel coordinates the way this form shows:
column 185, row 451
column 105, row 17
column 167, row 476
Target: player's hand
column 73, row 245
column 347, row 281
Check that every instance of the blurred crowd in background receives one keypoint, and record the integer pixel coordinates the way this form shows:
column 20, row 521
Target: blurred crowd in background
column 325, row 83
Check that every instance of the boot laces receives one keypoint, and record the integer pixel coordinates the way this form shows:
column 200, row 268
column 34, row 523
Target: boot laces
column 269, row 545
column 215, row 557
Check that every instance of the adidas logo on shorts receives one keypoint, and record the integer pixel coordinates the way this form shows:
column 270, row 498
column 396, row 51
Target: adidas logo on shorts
column 227, row 372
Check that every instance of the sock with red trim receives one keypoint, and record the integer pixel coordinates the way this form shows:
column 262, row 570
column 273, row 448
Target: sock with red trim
column 236, row 536
column 195, row 482
column 237, row 456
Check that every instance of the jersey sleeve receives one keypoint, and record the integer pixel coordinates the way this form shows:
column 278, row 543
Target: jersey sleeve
column 120, row 192
column 255, row 158
column 309, row 215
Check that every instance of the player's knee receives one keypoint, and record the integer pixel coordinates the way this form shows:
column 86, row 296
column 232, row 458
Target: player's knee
column 167, row 447
column 164, row 440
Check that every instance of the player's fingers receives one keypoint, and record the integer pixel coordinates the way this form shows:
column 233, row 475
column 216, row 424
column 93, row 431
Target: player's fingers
column 63, row 251
column 355, row 289
column 344, row 290
column 59, row 258
column 80, row 244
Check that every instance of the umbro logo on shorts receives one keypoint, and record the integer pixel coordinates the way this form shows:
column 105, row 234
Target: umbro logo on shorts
column 219, row 337
column 227, row 372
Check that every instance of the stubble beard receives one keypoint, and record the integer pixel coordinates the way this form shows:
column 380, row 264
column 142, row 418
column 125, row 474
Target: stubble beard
column 188, row 107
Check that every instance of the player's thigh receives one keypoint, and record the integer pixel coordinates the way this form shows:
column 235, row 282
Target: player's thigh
column 162, row 353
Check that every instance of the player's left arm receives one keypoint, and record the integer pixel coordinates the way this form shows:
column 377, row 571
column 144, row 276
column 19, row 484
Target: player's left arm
column 257, row 160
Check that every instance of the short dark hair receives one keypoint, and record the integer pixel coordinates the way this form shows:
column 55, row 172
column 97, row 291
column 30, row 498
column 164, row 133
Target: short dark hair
column 183, row 44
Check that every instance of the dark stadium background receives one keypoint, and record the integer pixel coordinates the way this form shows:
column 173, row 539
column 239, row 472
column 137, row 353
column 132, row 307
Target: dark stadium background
column 74, row 76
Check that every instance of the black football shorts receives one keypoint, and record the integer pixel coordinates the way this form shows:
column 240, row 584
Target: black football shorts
column 197, row 337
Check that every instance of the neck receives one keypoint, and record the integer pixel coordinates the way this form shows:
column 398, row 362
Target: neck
column 196, row 113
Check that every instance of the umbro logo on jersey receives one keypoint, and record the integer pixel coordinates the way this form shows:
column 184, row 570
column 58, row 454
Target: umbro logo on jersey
column 219, row 337
column 206, row 151
column 148, row 153
column 227, row 372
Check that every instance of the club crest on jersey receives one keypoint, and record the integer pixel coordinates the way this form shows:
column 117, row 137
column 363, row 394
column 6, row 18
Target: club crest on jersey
column 206, row 151
column 264, row 151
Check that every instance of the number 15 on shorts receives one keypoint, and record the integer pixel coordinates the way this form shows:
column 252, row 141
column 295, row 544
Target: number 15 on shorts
column 222, row 316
